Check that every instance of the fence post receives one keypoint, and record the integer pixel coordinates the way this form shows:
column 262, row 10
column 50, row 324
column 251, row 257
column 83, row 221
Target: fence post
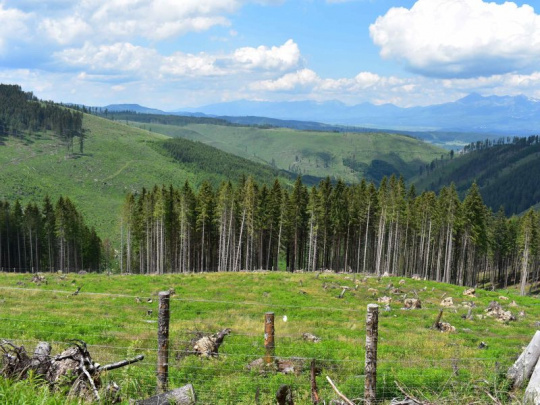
column 163, row 342
column 269, row 343
column 372, row 325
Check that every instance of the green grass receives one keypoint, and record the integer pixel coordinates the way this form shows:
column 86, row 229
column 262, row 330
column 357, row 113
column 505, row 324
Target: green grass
column 444, row 368
column 313, row 153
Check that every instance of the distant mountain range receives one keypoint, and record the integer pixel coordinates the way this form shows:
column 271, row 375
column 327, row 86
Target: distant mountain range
column 495, row 115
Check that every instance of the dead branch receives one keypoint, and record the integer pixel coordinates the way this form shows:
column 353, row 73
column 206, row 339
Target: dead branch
column 343, row 397
column 118, row 364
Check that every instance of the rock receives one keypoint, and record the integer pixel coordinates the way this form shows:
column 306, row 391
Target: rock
column 401, row 282
column 470, row 292
column 502, row 297
column 82, row 272
column 482, row 345
column 513, row 304
column 416, row 277
column 373, row 291
column 396, row 291
column 386, row 274
column 447, row 302
column 412, row 303
column 387, row 308
column 385, row 300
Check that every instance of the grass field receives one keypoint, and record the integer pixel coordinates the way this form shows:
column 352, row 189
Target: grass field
column 112, row 315
column 313, row 153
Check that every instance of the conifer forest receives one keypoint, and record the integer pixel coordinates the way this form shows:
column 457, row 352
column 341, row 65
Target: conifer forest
column 352, row 228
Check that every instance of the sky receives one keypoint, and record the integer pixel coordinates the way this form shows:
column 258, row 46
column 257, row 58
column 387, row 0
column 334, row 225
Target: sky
column 172, row 54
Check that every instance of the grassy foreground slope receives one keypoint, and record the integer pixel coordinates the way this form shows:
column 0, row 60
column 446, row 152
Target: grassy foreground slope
column 117, row 159
column 116, row 316
column 349, row 156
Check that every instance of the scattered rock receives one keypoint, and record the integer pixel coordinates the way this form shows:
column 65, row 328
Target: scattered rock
column 401, row 282
column 373, row 291
column 385, row 300
column 416, row 277
column 396, row 291
column 311, row 338
column 387, row 308
column 502, row 297
column 412, row 303
column 447, row 302
column 513, row 304
column 470, row 292
column 521, row 314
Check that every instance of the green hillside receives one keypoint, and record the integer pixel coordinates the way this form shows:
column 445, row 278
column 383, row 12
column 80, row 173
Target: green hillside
column 346, row 156
column 508, row 174
column 117, row 159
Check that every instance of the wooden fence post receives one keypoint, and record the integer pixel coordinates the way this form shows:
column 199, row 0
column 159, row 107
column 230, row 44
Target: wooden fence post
column 372, row 332
column 163, row 342
column 269, row 343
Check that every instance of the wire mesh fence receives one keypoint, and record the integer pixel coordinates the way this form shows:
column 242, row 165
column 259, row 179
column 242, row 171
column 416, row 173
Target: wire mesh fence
column 121, row 326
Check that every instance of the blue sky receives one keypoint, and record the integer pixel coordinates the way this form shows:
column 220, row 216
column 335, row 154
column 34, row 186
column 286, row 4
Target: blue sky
column 171, row 54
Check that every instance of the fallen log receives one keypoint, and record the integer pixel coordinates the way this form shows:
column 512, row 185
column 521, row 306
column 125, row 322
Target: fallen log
column 522, row 369
column 532, row 393
column 180, row 396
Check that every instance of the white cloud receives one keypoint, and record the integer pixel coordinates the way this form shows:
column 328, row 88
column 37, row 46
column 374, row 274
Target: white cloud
column 281, row 58
column 116, row 57
column 66, row 30
column 126, row 57
column 12, row 26
column 460, row 38
column 304, row 78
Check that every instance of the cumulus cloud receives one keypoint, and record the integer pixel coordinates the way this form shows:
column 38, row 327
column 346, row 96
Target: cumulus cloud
column 460, row 38
column 115, row 57
column 304, row 78
column 12, row 25
column 281, row 58
column 126, row 57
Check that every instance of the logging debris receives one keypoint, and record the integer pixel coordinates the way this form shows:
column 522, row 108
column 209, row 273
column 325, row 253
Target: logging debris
column 496, row 311
column 208, row 346
column 73, row 369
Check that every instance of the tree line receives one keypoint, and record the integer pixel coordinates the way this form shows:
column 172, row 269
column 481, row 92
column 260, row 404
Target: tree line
column 53, row 237
column 354, row 228
column 21, row 112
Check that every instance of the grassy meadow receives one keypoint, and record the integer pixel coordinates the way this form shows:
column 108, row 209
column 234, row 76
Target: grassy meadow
column 116, row 315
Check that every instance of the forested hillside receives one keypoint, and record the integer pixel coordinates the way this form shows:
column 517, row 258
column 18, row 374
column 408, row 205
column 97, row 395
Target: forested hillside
column 52, row 238
column 116, row 159
column 507, row 172
column 349, row 156
column 359, row 228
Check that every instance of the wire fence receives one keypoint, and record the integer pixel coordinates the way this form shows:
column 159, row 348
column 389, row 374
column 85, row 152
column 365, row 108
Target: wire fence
column 118, row 326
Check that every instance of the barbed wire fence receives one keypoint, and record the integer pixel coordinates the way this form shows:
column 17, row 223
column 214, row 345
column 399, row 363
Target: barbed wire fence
column 118, row 326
